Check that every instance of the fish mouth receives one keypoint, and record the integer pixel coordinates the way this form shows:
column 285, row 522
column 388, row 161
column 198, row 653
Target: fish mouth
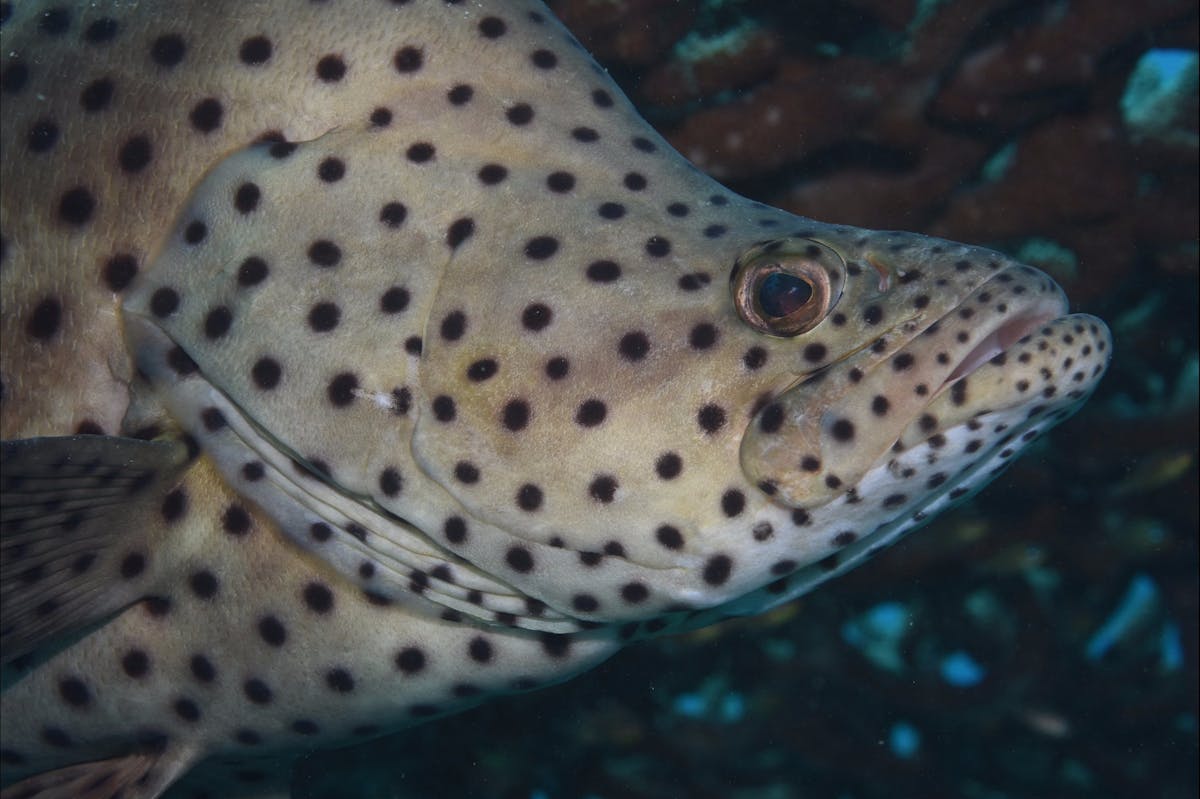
column 1001, row 335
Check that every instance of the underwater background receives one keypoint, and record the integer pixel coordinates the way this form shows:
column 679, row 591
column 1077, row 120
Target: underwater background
column 1039, row 641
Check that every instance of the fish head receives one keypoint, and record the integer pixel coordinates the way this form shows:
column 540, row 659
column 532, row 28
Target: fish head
column 754, row 414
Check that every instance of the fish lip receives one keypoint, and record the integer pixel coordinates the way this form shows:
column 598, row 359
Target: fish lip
column 1005, row 333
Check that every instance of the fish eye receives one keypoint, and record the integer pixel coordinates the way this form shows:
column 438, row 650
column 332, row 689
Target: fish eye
column 786, row 288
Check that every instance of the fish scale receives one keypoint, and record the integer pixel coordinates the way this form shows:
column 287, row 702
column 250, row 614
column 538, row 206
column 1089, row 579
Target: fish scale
column 425, row 382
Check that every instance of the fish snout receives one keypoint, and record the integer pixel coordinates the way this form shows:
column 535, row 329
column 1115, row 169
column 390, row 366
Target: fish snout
column 1007, row 349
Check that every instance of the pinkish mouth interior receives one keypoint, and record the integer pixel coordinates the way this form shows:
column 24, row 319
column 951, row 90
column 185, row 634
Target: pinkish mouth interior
column 997, row 342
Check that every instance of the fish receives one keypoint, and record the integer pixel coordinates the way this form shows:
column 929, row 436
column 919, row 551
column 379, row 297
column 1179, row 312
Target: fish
column 364, row 361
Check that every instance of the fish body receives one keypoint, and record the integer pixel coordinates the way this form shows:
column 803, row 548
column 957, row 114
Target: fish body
column 413, row 367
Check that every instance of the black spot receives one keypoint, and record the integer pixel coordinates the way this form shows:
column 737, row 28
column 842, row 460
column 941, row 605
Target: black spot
column 634, row 345
column 560, row 182
column 42, row 136
column 703, row 336
column 408, row 60
column 195, row 232
column 491, row 174
column 611, row 210
column 843, row 430
column 460, row 95
column 281, row 149
column 331, row 170
column 481, row 370
column 331, row 69
column 591, row 413
column 202, row 669
column 320, row 531
column 480, row 649
column 76, row 206
column 454, row 325
column 305, row 727
column 669, row 536
column 584, row 134
column 711, row 418
column 339, row 680
column 466, row 472
column 168, row 50
column 341, row 388
column 255, row 51
column 217, row 322
column 634, row 181
column 174, row 505
column 132, row 565
column 519, row 114
column 880, row 405
column 247, row 737
column 393, row 214
column 45, row 319
column 323, row 252
column 519, row 559
column 492, row 27
column 381, row 117
column 246, row 198
column 455, row 530
column 903, row 362
column 186, row 709
column 585, row 603
column 101, row 30
column 135, row 663
column 203, row 584
column 266, row 373
column 603, row 488
column 236, row 521
column 540, row 248
column 444, row 409
column 390, row 482
column 272, row 631
column 657, row 247
column 754, row 358
column 733, row 502
column 459, row 231
column 411, row 660
column 207, row 114
column 252, row 271
column 529, row 497
column 557, row 368
column 717, row 569
column 603, row 271
column 15, row 77
column 420, row 153
column 536, row 316
column 772, row 418
column 318, row 597
column 633, row 593
column 668, row 466
column 543, row 59
column 324, row 316
column 74, row 692
column 257, row 691
column 253, row 471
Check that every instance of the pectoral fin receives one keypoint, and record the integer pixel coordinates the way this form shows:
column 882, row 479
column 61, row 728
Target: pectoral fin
column 82, row 519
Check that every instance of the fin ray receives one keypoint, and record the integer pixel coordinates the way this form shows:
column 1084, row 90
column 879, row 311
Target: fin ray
column 78, row 528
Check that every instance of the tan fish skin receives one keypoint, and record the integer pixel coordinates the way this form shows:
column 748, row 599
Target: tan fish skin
column 465, row 385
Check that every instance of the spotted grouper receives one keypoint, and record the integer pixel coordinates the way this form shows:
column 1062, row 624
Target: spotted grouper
column 364, row 360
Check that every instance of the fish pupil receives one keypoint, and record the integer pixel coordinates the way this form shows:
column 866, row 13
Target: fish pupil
column 781, row 294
